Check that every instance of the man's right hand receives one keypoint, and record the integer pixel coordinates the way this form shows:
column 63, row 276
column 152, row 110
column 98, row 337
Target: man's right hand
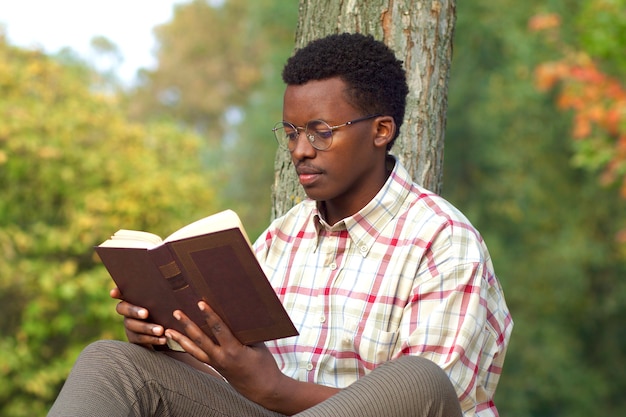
column 138, row 330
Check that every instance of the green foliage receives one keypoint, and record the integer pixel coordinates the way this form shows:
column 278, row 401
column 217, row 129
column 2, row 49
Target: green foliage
column 228, row 88
column 252, row 143
column 202, row 68
column 601, row 25
column 73, row 170
column 550, row 226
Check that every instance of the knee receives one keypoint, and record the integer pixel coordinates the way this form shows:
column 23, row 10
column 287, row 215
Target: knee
column 421, row 365
column 109, row 352
column 419, row 384
column 104, row 346
column 426, row 376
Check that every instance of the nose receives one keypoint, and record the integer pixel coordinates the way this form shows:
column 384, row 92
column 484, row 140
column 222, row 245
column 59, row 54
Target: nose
column 303, row 148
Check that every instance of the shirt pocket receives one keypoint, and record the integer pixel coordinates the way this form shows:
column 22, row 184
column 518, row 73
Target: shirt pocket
column 373, row 345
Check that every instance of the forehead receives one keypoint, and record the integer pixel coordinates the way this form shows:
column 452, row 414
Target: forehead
column 316, row 99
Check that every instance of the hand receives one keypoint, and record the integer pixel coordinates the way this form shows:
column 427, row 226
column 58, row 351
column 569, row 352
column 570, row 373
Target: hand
column 138, row 331
column 251, row 370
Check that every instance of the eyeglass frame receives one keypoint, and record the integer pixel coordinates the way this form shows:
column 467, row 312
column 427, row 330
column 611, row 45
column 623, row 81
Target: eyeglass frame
column 312, row 137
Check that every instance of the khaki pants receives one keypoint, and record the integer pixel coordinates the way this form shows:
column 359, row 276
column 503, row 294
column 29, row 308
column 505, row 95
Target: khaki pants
column 113, row 378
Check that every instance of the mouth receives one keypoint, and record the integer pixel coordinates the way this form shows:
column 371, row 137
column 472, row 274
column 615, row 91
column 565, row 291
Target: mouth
column 308, row 175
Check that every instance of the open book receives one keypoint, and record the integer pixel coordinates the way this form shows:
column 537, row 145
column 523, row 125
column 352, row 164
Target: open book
column 211, row 260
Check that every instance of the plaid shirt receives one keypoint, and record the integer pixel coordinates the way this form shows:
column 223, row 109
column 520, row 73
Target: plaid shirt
column 406, row 275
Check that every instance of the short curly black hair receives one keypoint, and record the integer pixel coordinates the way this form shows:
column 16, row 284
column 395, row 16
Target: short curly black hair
column 375, row 77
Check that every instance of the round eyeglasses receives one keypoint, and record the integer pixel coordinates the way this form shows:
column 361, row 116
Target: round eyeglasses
column 318, row 133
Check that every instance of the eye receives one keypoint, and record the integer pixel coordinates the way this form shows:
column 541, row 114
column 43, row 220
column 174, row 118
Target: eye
column 320, row 129
column 323, row 134
column 291, row 135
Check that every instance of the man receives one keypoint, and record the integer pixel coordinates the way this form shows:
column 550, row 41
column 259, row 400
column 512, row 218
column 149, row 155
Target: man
column 391, row 288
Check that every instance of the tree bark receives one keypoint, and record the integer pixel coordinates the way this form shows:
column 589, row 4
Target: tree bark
column 420, row 32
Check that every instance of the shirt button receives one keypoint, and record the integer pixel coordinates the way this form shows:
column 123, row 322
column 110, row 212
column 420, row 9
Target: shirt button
column 322, row 319
column 333, row 266
column 309, row 366
column 363, row 249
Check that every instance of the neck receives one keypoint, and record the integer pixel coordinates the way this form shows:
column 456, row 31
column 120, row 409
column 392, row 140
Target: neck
column 333, row 211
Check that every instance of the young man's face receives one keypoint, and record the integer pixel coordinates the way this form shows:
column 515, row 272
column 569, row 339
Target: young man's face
column 347, row 175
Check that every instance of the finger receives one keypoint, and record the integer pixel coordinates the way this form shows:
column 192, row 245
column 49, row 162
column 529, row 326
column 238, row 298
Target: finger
column 141, row 332
column 221, row 332
column 116, row 293
column 145, row 340
column 193, row 340
column 188, row 345
column 138, row 331
column 194, row 332
column 127, row 309
column 143, row 327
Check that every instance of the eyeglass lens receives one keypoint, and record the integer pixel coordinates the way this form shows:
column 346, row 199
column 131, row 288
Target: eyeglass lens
column 317, row 132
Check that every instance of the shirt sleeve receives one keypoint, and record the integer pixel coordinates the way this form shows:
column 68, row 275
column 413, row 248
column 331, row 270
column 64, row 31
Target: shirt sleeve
column 457, row 317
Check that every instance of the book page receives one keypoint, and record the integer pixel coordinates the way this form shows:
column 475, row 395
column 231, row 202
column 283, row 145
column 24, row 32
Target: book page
column 223, row 220
column 132, row 239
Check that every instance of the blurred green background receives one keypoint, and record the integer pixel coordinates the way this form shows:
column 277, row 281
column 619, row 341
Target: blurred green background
column 535, row 155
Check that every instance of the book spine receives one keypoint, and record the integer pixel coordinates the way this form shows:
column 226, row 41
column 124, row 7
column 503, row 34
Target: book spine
column 184, row 293
column 173, row 276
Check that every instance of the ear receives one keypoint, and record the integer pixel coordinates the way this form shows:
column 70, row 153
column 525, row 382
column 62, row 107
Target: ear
column 385, row 131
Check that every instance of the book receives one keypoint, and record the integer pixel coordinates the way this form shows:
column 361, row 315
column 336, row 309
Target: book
column 210, row 259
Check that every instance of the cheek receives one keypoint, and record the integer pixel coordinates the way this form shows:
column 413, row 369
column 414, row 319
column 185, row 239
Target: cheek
column 349, row 156
column 343, row 172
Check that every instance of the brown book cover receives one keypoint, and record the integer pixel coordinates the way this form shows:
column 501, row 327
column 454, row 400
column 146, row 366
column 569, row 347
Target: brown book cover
column 214, row 263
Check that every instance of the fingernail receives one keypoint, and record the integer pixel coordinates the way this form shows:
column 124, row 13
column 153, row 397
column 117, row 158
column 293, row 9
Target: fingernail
column 157, row 330
column 177, row 315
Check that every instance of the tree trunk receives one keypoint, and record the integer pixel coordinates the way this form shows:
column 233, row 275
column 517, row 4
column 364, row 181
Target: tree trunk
column 420, row 32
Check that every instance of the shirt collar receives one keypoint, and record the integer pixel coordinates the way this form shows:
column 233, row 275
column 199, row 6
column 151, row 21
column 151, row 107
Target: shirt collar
column 365, row 226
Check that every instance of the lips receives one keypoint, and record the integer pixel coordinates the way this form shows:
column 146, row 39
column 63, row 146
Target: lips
column 307, row 175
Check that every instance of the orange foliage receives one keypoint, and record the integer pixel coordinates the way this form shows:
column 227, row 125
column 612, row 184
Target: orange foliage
column 597, row 100
column 544, row 21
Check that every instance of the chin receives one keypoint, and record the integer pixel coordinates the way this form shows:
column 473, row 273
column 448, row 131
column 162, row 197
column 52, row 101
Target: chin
column 314, row 194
